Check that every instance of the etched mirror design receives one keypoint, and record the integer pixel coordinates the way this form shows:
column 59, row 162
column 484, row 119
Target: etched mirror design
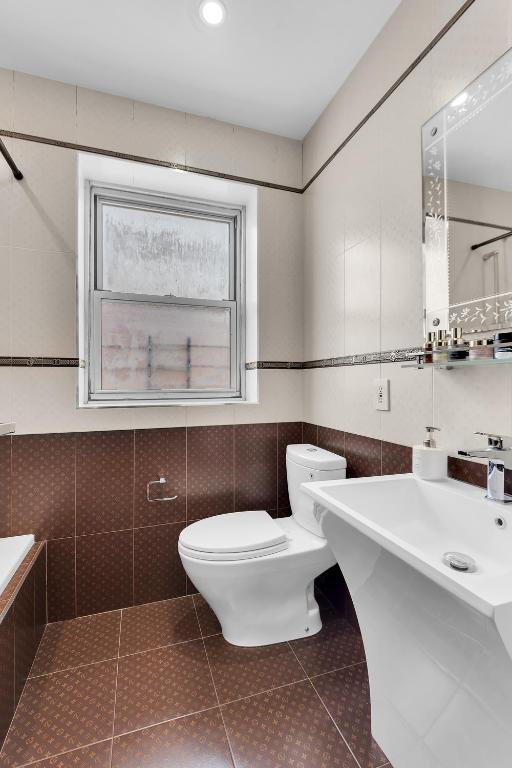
column 467, row 206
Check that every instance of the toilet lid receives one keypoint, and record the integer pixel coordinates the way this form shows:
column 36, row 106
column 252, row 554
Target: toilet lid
column 235, row 535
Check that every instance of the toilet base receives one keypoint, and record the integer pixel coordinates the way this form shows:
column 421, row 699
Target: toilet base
column 269, row 630
column 260, row 606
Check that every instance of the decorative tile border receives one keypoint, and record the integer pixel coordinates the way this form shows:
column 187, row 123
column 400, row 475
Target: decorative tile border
column 269, row 364
column 146, row 160
column 369, row 358
column 40, row 362
column 417, row 61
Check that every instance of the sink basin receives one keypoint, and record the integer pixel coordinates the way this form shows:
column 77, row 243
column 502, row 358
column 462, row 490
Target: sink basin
column 438, row 641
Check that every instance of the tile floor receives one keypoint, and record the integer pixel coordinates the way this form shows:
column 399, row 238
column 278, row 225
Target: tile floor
column 157, row 686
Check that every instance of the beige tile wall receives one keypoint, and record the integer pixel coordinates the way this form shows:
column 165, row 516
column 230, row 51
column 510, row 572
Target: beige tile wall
column 38, row 247
column 363, row 258
column 339, row 268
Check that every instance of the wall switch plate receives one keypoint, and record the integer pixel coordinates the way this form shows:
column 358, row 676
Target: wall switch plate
column 382, row 394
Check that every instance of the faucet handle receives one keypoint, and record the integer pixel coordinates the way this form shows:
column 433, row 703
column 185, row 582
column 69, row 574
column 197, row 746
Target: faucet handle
column 496, row 441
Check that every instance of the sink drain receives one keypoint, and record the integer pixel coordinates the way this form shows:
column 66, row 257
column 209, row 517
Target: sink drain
column 459, row 562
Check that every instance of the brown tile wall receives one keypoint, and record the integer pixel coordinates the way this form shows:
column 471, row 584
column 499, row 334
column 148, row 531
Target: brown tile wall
column 107, row 547
column 365, row 456
column 85, row 493
column 21, row 630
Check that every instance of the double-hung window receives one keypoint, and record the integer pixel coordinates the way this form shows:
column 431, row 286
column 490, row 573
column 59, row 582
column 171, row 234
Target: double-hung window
column 165, row 299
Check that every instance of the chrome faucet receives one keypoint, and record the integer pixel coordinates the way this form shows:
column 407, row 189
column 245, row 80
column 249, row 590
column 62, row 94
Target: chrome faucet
column 499, row 456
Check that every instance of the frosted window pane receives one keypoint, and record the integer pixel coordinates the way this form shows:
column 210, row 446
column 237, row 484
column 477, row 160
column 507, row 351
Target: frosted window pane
column 164, row 254
column 148, row 346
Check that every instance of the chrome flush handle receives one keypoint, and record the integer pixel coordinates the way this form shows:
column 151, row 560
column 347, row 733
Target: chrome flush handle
column 160, row 481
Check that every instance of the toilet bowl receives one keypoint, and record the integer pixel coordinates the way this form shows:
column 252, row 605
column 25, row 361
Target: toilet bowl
column 257, row 573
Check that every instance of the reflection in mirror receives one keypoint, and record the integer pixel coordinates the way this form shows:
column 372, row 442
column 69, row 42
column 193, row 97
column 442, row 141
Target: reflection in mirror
column 467, row 202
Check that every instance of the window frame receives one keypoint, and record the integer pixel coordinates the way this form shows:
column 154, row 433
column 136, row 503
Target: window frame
column 98, row 195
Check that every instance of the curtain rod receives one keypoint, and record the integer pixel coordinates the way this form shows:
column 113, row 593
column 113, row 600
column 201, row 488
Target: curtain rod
column 10, row 162
column 492, row 240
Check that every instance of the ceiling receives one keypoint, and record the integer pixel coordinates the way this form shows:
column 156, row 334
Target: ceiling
column 272, row 65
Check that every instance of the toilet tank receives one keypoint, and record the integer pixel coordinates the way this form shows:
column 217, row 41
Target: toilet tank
column 305, row 464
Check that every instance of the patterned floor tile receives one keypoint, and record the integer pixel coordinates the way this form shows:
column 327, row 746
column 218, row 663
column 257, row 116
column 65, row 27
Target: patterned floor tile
column 346, row 694
column 62, row 711
column 68, row 644
column 95, row 756
column 285, row 728
column 161, row 684
column 337, row 645
column 239, row 672
column 156, row 624
column 208, row 621
column 197, row 741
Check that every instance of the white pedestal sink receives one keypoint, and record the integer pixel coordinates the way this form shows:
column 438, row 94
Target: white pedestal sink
column 438, row 642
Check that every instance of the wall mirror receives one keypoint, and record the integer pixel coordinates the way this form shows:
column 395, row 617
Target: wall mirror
column 467, row 206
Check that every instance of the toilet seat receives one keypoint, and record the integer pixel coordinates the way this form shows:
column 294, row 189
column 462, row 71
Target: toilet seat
column 233, row 536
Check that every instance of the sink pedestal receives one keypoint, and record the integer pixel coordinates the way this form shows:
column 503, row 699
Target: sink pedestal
column 440, row 675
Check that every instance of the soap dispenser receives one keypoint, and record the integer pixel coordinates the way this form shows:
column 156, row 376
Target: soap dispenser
column 428, row 461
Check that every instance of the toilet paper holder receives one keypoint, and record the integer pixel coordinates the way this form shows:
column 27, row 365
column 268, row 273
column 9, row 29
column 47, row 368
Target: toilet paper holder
column 160, row 481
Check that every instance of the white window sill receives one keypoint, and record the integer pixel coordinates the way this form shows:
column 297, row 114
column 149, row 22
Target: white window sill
column 162, row 404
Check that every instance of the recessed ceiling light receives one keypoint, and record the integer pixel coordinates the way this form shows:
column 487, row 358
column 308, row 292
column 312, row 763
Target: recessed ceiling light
column 212, row 12
column 460, row 99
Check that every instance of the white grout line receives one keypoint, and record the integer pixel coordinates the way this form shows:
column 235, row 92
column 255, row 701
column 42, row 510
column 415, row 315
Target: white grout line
column 164, row 722
column 72, row 669
column 297, row 659
column 115, row 690
column 127, row 608
column 160, row 647
column 118, row 735
column 218, row 706
column 310, row 680
column 267, row 690
column 335, row 725
column 120, row 657
column 338, row 669
column 216, row 694
column 59, row 754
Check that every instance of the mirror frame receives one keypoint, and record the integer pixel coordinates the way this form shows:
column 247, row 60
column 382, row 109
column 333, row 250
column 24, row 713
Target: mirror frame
column 481, row 315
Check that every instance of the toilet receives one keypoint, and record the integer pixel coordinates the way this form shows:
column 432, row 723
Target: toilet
column 257, row 573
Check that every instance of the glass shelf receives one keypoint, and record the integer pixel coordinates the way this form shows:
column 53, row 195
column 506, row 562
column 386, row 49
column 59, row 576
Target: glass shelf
column 455, row 363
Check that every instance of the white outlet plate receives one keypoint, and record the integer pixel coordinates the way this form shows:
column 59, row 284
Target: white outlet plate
column 382, row 394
